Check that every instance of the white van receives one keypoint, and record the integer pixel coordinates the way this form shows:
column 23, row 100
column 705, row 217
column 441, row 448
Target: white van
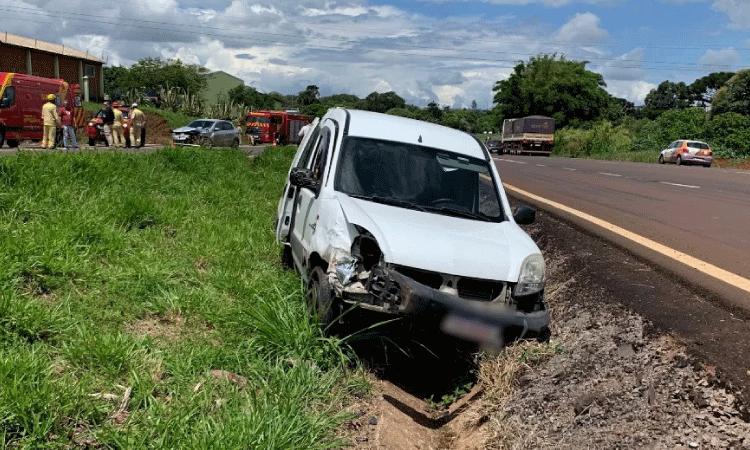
column 410, row 218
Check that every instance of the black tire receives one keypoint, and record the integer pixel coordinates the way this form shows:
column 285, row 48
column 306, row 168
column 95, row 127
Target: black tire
column 661, row 159
column 320, row 299
column 92, row 142
column 236, row 143
column 679, row 160
column 2, row 137
column 708, row 166
column 12, row 143
column 206, row 142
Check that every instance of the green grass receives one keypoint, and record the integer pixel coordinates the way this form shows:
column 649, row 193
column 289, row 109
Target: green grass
column 147, row 272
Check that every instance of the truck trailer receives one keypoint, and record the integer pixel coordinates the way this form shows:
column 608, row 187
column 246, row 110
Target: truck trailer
column 528, row 135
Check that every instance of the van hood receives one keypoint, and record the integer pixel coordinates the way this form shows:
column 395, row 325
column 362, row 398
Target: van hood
column 439, row 243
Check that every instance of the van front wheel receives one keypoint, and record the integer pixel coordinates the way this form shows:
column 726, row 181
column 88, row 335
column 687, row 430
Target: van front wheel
column 2, row 137
column 320, row 299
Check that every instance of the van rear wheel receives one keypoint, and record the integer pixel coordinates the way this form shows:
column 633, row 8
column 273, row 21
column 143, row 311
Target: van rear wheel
column 12, row 143
column 2, row 137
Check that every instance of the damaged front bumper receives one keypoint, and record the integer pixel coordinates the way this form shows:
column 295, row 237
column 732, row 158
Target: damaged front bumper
column 387, row 290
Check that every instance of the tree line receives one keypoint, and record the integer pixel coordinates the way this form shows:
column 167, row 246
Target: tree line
column 715, row 107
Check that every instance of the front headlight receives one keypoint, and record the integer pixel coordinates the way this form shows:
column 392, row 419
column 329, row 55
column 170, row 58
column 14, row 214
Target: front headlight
column 532, row 277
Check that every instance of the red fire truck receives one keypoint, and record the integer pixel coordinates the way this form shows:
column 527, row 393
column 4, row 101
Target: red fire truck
column 21, row 100
column 280, row 127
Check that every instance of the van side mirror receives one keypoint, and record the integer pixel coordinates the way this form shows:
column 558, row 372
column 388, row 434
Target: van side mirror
column 524, row 215
column 302, row 177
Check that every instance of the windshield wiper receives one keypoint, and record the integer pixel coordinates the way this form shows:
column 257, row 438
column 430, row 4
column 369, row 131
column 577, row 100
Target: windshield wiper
column 389, row 201
column 457, row 212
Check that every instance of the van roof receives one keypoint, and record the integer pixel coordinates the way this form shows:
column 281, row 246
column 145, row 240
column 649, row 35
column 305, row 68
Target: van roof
column 374, row 125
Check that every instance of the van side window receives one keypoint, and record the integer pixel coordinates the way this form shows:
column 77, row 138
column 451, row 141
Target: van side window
column 321, row 154
column 9, row 97
column 307, row 152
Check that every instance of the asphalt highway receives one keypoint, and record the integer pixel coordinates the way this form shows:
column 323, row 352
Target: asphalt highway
column 693, row 221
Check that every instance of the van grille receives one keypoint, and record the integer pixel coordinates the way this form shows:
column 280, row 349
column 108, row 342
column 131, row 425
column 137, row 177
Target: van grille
column 468, row 288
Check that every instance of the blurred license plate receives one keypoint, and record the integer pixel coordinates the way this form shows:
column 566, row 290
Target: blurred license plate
column 484, row 334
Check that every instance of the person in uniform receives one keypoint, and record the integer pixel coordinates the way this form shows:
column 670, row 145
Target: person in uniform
column 137, row 126
column 118, row 136
column 51, row 121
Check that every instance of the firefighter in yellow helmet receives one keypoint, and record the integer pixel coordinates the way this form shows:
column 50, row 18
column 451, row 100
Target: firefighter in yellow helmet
column 51, row 122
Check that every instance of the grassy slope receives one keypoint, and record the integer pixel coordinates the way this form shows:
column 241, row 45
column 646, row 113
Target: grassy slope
column 147, row 272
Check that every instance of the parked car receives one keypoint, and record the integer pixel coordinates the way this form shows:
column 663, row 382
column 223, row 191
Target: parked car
column 409, row 218
column 207, row 133
column 95, row 131
column 687, row 152
column 494, row 145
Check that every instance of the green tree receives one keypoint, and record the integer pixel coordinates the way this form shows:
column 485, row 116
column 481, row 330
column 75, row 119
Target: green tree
column 309, row 96
column 666, row 96
column 734, row 96
column 382, row 102
column 151, row 74
column 729, row 135
column 116, row 81
column 703, row 89
column 552, row 86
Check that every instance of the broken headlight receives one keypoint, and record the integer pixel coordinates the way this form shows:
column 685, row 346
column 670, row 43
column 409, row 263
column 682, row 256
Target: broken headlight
column 345, row 265
column 532, row 277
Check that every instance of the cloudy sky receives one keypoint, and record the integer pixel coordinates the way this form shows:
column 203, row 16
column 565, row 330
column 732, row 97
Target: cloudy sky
column 448, row 51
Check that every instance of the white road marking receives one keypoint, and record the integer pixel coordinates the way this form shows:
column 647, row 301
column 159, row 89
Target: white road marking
column 541, row 165
column 695, row 263
column 610, row 174
column 570, row 168
column 747, row 172
column 680, row 185
column 510, row 160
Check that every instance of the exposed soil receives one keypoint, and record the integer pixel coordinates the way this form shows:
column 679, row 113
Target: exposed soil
column 639, row 362
column 158, row 130
column 723, row 163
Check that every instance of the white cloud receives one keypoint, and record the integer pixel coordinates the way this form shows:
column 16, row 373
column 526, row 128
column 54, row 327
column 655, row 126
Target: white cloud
column 583, row 28
column 738, row 12
column 625, row 67
column 550, row 3
column 634, row 91
column 723, row 60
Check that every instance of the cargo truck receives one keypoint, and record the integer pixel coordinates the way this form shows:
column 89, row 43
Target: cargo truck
column 528, row 135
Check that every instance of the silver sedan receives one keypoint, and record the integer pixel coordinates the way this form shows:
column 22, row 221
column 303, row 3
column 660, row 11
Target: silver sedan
column 207, row 133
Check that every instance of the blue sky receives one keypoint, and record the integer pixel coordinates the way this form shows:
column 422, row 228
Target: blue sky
column 448, row 51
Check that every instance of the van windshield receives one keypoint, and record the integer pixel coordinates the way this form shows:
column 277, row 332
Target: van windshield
column 418, row 177
column 8, row 98
column 258, row 120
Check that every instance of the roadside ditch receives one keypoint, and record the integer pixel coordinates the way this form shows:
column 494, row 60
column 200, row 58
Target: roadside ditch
column 637, row 361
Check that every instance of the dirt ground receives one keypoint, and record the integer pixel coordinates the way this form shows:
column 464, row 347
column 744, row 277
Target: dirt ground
column 624, row 371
